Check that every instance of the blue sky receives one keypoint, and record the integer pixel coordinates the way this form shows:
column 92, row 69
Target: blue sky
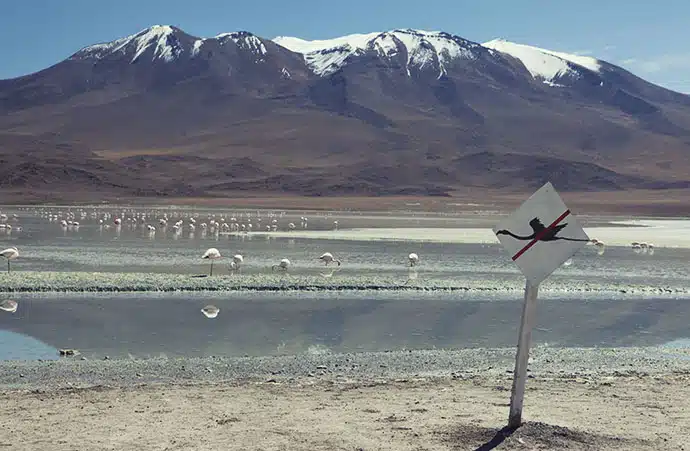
column 648, row 38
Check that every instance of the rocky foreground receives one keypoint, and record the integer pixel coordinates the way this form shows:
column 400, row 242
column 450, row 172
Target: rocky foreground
column 582, row 399
column 368, row 366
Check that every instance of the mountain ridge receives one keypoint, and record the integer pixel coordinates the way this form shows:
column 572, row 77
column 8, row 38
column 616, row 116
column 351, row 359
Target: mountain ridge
column 167, row 48
column 396, row 112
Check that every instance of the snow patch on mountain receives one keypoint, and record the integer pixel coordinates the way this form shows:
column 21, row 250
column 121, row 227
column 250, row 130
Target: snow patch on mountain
column 326, row 56
column 196, row 47
column 385, row 45
column 543, row 64
column 161, row 38
column 587, row 62
column 167, row 46
column 246, row 41
column 99, row 51
column 327, row 61
column 303, row 46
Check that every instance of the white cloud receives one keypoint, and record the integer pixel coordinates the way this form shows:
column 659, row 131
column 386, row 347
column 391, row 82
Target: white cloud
column 665, row 70
column 660, row 63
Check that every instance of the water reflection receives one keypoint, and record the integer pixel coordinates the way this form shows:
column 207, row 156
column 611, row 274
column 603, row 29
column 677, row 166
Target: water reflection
column 210, row 311
column 678, row 343
column 294, row 322
column 16, row 346
column 9, row 305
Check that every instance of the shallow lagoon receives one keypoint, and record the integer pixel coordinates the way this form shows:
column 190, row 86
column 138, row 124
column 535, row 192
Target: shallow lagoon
column 260, row 323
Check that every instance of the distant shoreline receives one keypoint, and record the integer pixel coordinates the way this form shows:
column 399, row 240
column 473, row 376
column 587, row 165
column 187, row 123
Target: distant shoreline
column 638, row 203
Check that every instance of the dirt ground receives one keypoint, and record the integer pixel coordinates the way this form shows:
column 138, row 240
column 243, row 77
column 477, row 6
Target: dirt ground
column 625, row 413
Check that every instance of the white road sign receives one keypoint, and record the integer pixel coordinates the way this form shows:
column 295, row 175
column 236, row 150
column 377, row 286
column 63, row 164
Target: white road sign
column 541, row 235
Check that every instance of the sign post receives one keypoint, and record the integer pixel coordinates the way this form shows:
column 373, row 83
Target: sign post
column 539, row 236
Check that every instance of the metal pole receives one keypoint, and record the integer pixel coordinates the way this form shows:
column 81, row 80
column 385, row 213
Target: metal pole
column 522, row 358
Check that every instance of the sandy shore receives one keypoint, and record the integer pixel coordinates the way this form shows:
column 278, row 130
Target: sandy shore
column 599, row 399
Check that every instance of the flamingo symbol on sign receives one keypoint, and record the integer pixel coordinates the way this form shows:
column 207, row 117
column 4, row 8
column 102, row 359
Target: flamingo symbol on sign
column 541, row 233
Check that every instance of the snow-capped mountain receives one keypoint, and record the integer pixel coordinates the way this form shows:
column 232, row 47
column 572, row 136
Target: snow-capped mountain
column 438, row 52
column 167, row 44
column 414, row 50
column 163, row 55
column 401, row 111
column 434, row 49
column 162, row 41
column 418, row 48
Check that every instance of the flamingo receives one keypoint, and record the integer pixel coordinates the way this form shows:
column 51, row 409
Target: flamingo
column 211, row 254
column 283, row 265
column 328, row 258
column 238, row 260
column 413, row 258
column 9, row 305
column 10, row 254
column 210, row 311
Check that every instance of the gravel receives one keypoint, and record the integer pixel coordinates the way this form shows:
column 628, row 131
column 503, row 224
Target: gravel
column 371, row 367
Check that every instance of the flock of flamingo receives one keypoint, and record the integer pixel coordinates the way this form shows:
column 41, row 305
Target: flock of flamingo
column 178, row 222
column 237, row 260
column 228, row 223
column 215, row 224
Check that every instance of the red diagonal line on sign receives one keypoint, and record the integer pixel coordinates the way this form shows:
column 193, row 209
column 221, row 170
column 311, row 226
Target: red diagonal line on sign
column 539, row 235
